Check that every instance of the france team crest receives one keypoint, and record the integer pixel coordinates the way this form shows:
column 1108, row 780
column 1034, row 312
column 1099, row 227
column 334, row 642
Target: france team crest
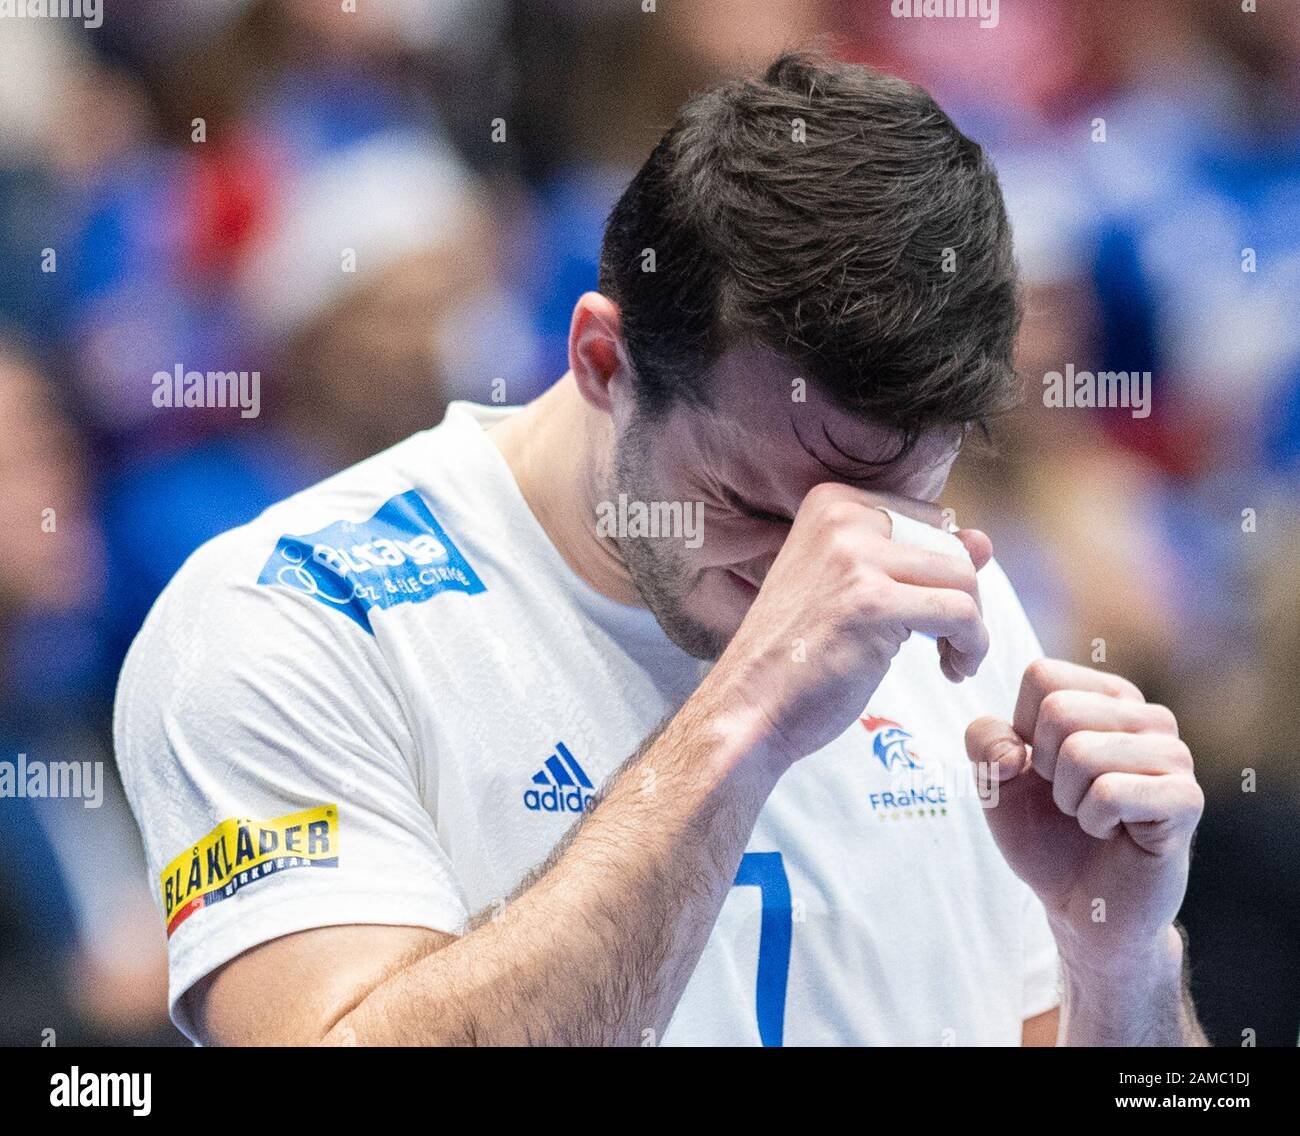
column 913, row 793
column 400, row 555
column 891, row 744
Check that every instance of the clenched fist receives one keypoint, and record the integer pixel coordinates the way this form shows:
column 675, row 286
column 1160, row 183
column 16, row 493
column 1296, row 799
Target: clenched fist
column 1095, row 809
column 838, row 602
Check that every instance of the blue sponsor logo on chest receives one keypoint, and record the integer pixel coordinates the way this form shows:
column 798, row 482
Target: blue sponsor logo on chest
column 400, row 555
column 563, row 785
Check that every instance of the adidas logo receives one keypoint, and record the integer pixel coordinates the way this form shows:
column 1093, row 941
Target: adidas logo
column 567, row 788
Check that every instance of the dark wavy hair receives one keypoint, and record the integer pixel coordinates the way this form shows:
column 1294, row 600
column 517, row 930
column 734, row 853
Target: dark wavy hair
column 813, row 212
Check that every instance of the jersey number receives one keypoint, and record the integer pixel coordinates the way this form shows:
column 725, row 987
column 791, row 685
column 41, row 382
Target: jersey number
column 766, row 871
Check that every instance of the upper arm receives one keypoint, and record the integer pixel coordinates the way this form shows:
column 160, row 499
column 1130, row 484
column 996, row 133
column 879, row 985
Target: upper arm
column 293, row 990
column 272, row 773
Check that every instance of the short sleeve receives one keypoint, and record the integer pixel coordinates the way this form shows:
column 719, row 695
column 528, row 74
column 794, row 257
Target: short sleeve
column 271, row 771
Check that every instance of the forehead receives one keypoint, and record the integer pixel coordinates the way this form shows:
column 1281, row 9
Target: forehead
column 770, row 432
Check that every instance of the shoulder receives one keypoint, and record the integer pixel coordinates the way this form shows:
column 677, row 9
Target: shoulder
column 307, row 554
column 268, row 611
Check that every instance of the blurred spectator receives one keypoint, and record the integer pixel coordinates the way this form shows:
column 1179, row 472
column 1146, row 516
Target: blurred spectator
column 371, row 292
column 1243, row 903
column 76, row 921
column 181, row 187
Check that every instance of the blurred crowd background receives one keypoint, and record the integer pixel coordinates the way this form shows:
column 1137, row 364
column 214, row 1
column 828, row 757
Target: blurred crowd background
column 175, row 189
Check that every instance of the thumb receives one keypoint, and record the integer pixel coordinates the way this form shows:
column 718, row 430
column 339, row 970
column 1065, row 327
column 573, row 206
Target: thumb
column 993, row 745
column 1021, row 814
column 978, row 545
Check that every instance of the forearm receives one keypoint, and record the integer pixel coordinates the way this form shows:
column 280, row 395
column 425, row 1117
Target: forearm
column 1143, row 1001
column 596, row 948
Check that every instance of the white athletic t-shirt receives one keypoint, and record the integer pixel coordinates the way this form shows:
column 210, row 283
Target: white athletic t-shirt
column 387, row 698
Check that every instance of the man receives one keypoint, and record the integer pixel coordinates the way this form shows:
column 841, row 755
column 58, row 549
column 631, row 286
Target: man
column 378, row 740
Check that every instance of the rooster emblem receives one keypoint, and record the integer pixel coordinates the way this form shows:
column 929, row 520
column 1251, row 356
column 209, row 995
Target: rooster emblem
column 891, row 744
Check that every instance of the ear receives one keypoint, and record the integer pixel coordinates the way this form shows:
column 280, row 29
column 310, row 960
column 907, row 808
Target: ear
column 597, row 356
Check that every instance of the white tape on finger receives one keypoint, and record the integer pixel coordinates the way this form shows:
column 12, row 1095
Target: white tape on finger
column 906, row 530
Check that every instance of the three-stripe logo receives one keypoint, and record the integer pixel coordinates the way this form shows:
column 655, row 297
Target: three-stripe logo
column 564, row 786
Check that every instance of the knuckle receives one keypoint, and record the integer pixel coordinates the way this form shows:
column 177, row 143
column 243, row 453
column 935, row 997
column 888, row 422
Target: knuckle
column 828, row 502
column 1186, row 814
column 1073, row 751
column 871, row 596
column 1182, row 755
column 1039, row 674
column 821, row 494
column 843, row 553
column 1104, row 793
column 1119, row 687
column 837, row 514
column 1162, row 718
column 1055, row 706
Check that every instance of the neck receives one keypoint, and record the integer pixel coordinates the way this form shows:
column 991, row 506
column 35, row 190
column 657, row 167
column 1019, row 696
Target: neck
column 558, row 449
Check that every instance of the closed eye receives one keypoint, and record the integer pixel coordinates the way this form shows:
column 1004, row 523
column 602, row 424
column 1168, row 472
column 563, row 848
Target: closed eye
column 755, row 512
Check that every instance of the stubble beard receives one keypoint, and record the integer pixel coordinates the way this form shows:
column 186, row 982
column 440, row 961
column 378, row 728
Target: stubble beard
column 656, row 565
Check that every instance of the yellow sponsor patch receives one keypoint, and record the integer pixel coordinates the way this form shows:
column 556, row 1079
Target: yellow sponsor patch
column 240, row 851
